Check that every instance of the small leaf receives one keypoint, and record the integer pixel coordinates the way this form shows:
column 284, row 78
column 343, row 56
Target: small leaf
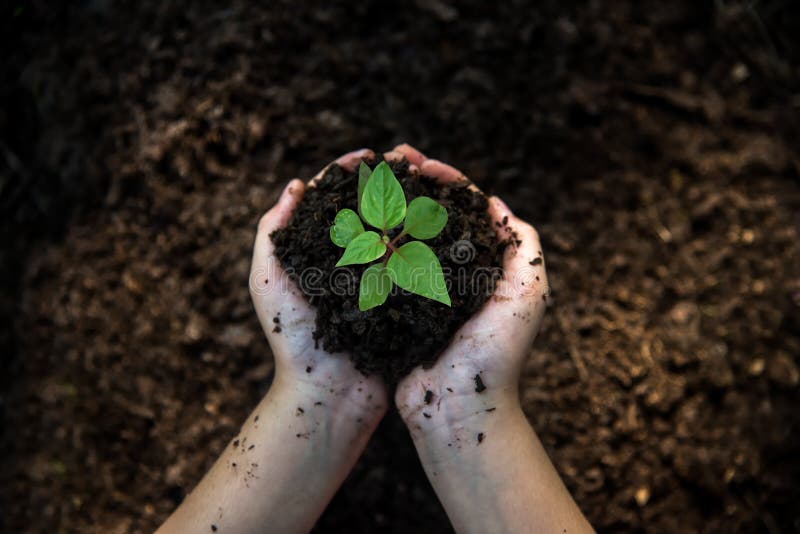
column 346, row 227
column 375, row 287
column 415, row 268
column 364, row 173
column 425, row 218
column 383, row 203
column 363, row 249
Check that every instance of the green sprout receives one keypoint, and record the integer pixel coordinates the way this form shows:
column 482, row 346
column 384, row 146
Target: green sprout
column 412, row 266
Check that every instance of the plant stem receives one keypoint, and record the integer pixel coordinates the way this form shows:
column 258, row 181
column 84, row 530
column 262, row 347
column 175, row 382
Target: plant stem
column 397, row 238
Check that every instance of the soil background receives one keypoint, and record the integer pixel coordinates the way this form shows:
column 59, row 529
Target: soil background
column 653, row 144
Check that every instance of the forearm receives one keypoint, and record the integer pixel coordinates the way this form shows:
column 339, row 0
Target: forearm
column 489, row 468
column 284, row 465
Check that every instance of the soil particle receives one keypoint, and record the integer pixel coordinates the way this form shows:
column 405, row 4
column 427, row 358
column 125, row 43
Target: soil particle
column 427, row 415
column 480, row 437
column 309, row 369
column 479, row 385
column 428, row 396
column 536, row 261
column 491, row 409
column 213, row 528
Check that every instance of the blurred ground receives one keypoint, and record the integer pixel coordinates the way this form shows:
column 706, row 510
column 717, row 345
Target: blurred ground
column 653, row 144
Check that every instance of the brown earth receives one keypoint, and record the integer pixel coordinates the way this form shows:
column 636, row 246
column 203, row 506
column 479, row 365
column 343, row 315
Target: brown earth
column 653, row 144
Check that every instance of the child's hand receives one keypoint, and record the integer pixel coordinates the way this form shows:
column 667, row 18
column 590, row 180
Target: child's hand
column 480, row 453
column 297, row 446
column 480, row 369
column 288, row 322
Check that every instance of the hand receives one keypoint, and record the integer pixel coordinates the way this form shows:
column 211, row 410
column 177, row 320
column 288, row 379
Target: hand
column 288, row 321
column 480, row 453
column 489, row 349
column 300, row 442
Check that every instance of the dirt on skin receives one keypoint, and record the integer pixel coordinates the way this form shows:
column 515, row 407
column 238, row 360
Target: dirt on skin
column 407, row 330
column 653, row 145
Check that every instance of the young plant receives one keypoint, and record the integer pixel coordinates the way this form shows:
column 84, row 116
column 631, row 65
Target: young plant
column 412, row 266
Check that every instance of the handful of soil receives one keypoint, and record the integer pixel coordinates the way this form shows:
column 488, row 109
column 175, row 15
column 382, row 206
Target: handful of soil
column 407, row 330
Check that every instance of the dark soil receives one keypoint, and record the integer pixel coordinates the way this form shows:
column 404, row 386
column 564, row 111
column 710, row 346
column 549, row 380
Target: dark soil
column 406, row 330
column 653, row 144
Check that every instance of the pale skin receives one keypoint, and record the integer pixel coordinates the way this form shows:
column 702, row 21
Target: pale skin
column 478, row 449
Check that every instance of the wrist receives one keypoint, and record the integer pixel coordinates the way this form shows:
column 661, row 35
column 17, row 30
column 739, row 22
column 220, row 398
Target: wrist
column 454, row 419
column 352, row 403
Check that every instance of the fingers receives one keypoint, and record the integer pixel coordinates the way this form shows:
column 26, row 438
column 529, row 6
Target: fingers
column 270, row 287
column 523, row 262
column 348, row 161
column 414, row 156
column 500, row 214
column 275, row 218
column 514, row 312
column 280, row 213
column 525, row 247
column 446, row 174
column 393, row 155
column 351, row 159
column 443, row 172
column 418, row 162
column 397, row 155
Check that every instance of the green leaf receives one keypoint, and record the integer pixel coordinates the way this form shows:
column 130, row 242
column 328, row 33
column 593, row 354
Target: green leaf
column 425, row 218
column 415, row 268
column 346, row 227
column 375, row 287
column 363, row 249
column 383, row 203
column 364, row 173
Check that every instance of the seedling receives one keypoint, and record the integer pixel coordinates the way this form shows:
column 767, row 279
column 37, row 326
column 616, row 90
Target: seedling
column 412, row 266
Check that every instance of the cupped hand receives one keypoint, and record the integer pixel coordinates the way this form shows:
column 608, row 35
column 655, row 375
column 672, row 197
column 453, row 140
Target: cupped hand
column 479, row 371
column 288, row 319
